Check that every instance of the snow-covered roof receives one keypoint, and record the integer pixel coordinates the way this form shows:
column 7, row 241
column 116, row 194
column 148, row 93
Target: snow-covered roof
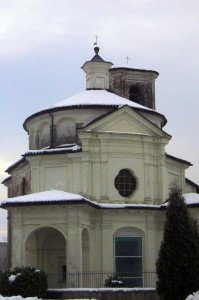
column 132, row 68
column 46, row 196
column 92, row 98
column 61, row 197
column 59, row 150
column 97, row 98
column 191, row 198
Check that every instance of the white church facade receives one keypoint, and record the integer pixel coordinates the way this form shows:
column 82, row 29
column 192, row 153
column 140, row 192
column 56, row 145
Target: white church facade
column 89, row 193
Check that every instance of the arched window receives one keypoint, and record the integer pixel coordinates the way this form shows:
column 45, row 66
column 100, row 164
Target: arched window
column 24, row 187
column 135, row 94
column 128, row 244
column 125, row 183
column 85, row 251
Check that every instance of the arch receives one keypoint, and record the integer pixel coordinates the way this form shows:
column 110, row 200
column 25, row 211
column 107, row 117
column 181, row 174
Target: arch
column 66, row 131
column 128, row 255
column 135, row 94
column 45, row 248
column 41, row 227
column 44, row 135
column 129, row 231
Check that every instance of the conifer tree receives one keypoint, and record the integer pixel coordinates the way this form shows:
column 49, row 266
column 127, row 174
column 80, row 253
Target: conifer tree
column 178, row 261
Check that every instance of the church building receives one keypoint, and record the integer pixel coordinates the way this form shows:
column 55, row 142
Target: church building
column 88, row 195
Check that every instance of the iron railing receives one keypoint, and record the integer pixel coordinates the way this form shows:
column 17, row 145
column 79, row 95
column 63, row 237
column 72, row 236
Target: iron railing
column 100, row 279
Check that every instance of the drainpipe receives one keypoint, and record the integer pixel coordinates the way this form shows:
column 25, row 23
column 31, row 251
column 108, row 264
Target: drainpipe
column 51, row 132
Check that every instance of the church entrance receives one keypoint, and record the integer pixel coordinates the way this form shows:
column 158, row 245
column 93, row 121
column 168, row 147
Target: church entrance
column 46, row 250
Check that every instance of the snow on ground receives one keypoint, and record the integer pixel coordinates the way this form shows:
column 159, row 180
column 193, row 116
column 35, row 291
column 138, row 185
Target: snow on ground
column 17, row 298
column 29, row 298
column 195, row 296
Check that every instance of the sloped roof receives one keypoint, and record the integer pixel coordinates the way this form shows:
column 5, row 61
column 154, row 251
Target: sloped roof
column 178, row 159
column 97, row 97
column 195, row 185
column 97, row 58
column 19, row 162
column 126, row 108
column 94, row 99
column 55, row 197
column 52, row 151
column 128, row 67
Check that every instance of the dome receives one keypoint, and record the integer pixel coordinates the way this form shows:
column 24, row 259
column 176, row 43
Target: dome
column 57, row 125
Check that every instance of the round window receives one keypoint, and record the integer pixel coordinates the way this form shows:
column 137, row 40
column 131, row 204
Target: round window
column 125, row 183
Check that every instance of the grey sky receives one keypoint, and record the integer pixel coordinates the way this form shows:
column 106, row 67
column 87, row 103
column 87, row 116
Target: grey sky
column 44, row 44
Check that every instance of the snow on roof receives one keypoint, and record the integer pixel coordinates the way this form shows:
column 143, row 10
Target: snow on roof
column 54, row 196
column 132, row 68
column 191, row 198
column 58, row 150
column 96, row 98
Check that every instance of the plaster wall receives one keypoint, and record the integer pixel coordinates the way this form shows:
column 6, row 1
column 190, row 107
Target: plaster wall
column 60, row 229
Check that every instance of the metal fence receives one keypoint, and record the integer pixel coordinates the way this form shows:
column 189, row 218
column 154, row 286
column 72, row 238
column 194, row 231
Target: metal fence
column 100, row 279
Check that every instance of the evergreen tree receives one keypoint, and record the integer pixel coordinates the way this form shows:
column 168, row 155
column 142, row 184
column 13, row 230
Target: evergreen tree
column 178, row 261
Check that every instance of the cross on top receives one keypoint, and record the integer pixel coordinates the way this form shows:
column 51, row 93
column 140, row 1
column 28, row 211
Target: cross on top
column 127, row 59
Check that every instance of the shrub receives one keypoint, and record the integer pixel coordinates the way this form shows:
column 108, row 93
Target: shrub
column 178, row 261
column 24, row 281
column 1, row 273
column 113, row 281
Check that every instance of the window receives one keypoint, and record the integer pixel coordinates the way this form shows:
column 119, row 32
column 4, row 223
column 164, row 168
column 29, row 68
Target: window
column 128, row 260
column 24, row 187
column 125, row 183
column 135, row 94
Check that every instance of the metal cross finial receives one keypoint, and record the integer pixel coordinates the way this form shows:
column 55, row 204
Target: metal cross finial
column 95, row 41
column 127, row 59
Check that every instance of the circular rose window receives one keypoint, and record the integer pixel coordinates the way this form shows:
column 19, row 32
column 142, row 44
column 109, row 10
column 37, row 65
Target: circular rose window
column 125, row 183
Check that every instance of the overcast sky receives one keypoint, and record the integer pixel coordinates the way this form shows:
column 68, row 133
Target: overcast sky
column 43, row 44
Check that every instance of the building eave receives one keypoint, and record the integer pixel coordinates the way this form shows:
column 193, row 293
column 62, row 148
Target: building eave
column 21, row 161
column 178, row 159
column 65, row 108
column 190, row 182
column 84, row 201
column 133, row 69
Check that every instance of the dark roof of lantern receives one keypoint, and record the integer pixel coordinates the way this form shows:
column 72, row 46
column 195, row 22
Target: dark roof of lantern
column 133, row 69
column 97, row 58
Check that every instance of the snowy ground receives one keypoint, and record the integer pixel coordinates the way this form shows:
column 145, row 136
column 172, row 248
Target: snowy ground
column 195, row 296
column 29, row 298
column 17, row 298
